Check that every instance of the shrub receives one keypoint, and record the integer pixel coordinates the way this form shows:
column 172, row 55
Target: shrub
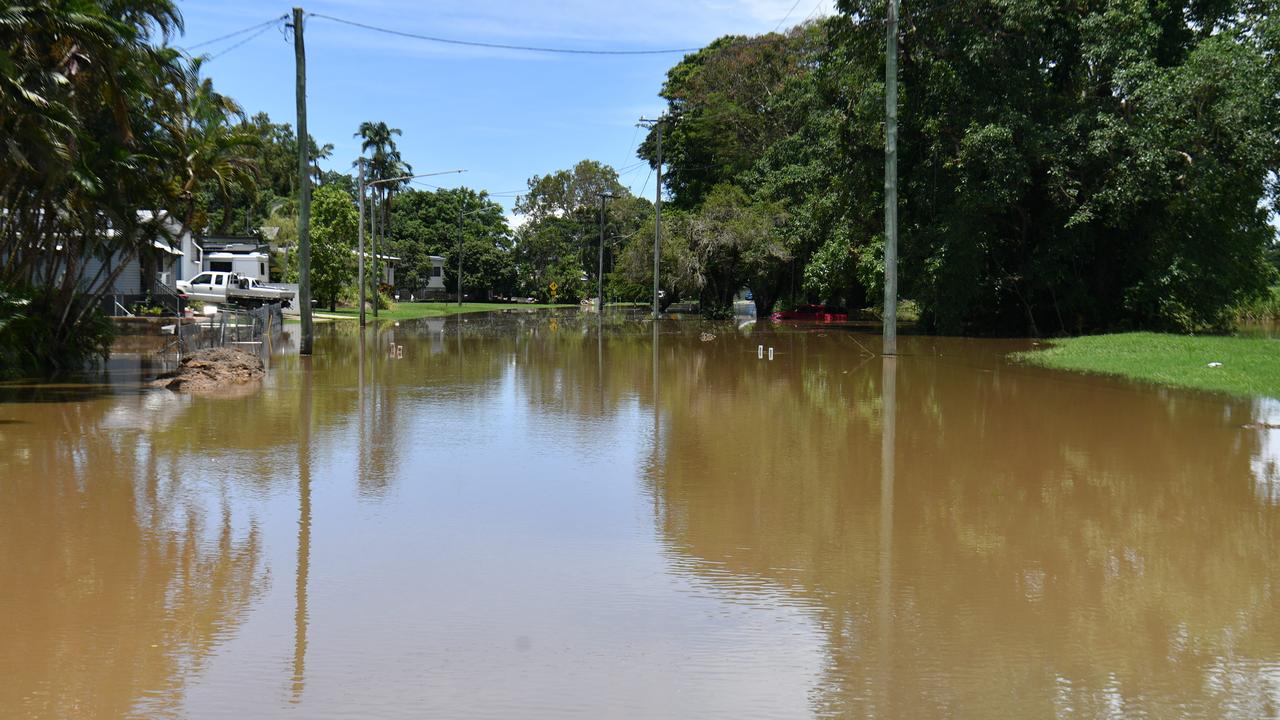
column 30, row 345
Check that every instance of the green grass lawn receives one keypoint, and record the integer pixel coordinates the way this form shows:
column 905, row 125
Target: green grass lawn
column 411, row 311
column 1250, row 366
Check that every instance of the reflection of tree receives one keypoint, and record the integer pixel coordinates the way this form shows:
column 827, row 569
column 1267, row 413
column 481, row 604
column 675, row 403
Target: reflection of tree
column 1055, row 541
column 117, row 588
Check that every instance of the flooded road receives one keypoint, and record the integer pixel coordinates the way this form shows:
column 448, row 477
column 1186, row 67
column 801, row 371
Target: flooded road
column 529, row 515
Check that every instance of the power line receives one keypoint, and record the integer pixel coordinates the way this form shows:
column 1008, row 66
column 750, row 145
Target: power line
column 236, row 45
column 242, row 31
column 646, row 183
column 812, row 12
column 501, row 46
column 784, row 17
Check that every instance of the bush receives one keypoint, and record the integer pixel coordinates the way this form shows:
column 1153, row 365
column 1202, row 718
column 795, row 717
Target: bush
column 30, row 345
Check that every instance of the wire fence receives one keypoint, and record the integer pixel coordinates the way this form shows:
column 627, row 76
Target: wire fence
column 255, row 330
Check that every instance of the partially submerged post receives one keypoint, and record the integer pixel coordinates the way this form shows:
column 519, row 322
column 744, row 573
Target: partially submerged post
column 891, row 184
column 304, row 189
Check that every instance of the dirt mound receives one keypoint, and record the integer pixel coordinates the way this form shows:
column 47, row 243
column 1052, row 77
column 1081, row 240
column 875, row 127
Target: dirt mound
column 212, row 370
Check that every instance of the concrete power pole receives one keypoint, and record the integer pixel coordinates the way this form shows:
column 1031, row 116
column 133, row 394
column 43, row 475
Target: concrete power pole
column 304, row 188
column 891, row 184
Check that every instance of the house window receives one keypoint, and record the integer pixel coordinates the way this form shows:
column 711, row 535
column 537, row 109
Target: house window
column 435, row 271
column 220, row 266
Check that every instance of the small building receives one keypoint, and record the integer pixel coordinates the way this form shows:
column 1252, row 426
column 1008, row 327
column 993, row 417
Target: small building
column 435, row 281
column 428, row 287
column 386, row 267
column 246, row 255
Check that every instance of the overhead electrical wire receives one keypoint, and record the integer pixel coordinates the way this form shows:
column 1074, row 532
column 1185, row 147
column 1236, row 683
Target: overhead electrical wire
column 500, row 46
column 226, row 50
column 784, row 17
column 242, row 31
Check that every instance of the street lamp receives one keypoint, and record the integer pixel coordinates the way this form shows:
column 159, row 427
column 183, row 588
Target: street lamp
column 600, row 261
column 461, row 215
column 360, row 200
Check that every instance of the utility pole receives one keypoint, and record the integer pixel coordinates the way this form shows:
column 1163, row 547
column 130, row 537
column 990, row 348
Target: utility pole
column 600, row 265
column 891, row 184
column 377, row 278
column 373, row 226
column 461, row 205
column 360, row 195
column 657, row 204
column 304, row 188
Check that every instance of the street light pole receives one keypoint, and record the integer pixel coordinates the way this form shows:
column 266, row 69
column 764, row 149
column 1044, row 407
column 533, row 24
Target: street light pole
column 360, row 251
column 462, row 214
column 461, row 205
column 600, row 261
column 372, row 215
column 657, row 204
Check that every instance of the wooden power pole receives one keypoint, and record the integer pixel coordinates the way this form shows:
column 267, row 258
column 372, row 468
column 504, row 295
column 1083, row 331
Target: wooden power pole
column 891, row 184
column 304, row 188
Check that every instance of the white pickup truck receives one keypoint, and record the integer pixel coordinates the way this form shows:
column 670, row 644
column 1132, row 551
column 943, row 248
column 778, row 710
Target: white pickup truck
column 232, row 289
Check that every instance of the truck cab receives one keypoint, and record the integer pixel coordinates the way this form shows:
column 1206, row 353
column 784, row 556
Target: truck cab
column 210, row 287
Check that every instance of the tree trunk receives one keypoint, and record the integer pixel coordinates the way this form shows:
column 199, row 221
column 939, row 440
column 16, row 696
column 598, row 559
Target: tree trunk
column 764, row 300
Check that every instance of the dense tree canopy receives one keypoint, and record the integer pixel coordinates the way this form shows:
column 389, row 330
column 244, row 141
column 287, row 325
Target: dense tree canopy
column 334, row 225
column 428, row 223
column 560, row 241
column 1064, row 168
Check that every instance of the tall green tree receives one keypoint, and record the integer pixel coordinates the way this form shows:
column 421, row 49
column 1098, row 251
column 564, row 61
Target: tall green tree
column 213, row 145
column 334, row 224
column 1069, row 168
column 558, row 241
column 427, row 223
column 87, row 92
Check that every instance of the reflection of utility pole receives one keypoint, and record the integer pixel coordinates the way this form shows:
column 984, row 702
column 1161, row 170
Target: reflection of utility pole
column 891, row 184
column 304, row 188
column 600, row 265
column 304, row 536
column 888, row 439
column 657, row 217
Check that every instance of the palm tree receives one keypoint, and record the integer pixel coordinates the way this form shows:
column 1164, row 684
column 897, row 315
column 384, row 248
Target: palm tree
column 85, row 99
column 384, row 164
column 324, row 152
column 215, row 146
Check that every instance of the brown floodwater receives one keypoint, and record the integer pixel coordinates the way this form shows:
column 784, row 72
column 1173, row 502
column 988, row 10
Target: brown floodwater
column 535, row 515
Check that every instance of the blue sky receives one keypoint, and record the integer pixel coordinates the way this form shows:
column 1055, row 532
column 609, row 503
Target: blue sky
column 501, row 115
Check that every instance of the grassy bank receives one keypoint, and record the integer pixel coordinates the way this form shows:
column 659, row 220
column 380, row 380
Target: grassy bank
column 1250, row 366
column 413, row 311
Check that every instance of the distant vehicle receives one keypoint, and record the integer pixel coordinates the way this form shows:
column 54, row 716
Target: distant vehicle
column 813, row 313
column 230, row 288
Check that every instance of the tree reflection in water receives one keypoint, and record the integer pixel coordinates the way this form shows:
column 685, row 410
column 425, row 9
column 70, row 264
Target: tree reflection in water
column 118, row 583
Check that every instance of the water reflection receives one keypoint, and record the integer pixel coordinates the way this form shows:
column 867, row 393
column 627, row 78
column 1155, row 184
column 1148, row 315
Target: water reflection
column 523, row 515
column 1047, row 545
column 119, row 577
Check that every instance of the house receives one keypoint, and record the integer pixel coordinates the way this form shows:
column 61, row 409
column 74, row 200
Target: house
column 430, row 286
column 435, row 282
column 171, row 262
column 386, row 267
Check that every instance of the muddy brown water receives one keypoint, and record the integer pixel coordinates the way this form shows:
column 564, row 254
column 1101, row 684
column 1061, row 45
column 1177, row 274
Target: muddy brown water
column 532, row 515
